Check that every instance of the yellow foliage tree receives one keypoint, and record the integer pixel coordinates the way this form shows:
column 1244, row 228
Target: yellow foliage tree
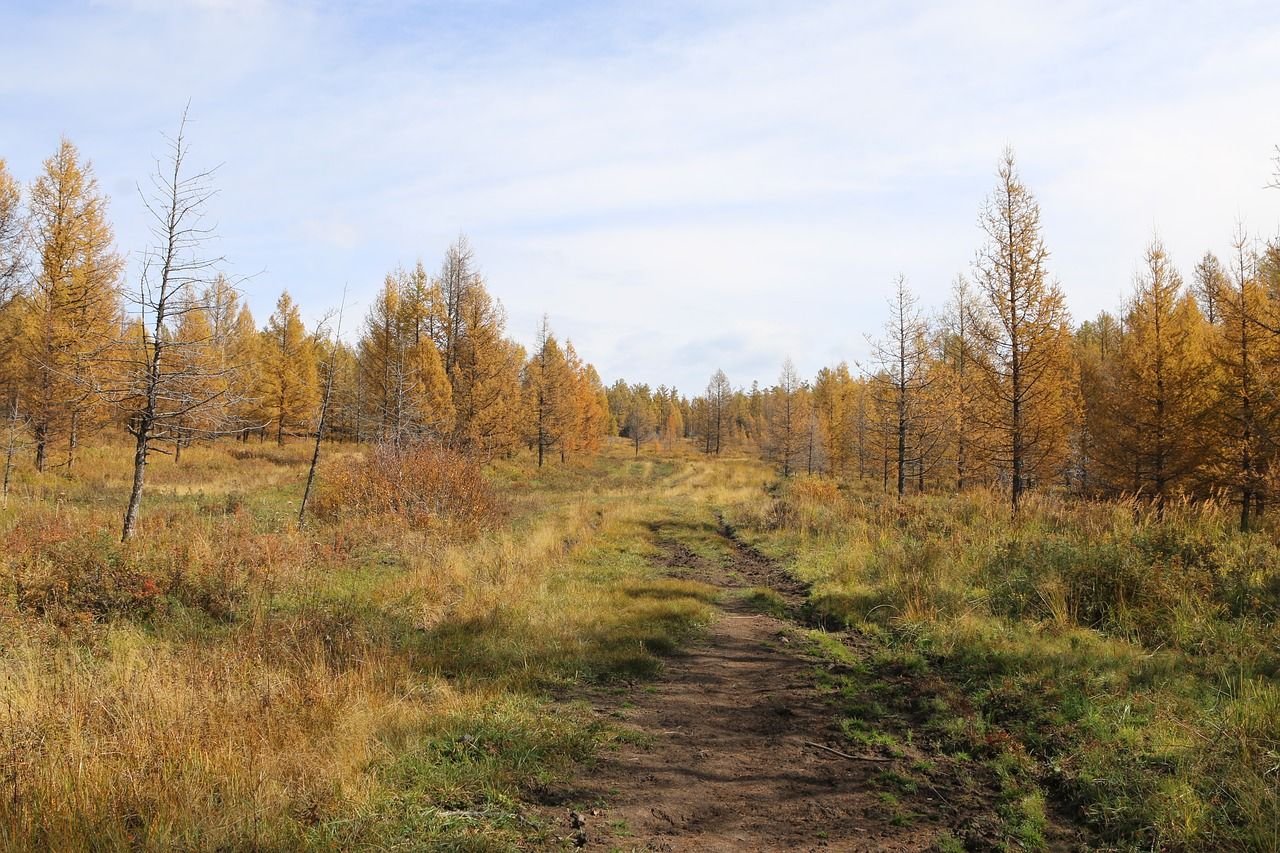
column 288, row 371
column 73, row 309
column 1153, row 438
column 1029, row 386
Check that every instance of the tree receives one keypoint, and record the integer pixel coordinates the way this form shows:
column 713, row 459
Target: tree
column 550, row 395
column 326, row 398
column 12, row 235
column 73, row 310
column 903, row 376
column 1244, row 351
column 408, row 393
column 961, row 381
column 719, row 393
column 168, row 376
column 1095, row 344
column 1153, row 432
column 1210, row 279
column 13, row 247
column 641, row 417
column 590, row 405
column 1024, row 337
column 485, row 374
column 458, row 279
column 788, row 419
column 288, row 373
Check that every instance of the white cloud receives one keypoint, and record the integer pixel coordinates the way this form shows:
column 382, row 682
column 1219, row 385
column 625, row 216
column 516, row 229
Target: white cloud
column 682, row 186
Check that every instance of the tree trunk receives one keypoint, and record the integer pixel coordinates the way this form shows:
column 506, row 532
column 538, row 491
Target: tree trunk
column 139, row 472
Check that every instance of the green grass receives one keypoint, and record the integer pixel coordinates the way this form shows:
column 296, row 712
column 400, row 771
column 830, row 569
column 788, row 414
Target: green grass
column 1118, row 664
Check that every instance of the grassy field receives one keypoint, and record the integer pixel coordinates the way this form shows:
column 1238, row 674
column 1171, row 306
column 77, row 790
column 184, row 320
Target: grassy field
column 227, row 682
column 1118, row 667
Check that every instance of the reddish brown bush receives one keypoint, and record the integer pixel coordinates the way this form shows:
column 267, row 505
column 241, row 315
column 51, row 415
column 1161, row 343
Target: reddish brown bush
column 424, row 485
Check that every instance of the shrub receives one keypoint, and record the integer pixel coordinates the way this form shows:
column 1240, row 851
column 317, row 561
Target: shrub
column 425, row 486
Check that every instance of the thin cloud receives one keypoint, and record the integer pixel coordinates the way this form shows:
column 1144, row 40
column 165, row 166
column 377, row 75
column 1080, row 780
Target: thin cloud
column 672, row 182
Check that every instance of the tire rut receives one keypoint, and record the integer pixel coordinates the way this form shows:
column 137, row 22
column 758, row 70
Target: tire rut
column 741, row 751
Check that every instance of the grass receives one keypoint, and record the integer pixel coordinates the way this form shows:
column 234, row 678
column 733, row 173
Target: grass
column 228, row 682
column 1092, row 655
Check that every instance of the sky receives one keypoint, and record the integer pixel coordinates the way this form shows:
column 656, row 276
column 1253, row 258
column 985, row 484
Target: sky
column 680, row 186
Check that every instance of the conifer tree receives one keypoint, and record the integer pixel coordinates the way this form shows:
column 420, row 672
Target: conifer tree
column 13, row 247
column 1026, row 360
column 1210, row 279
column 73, row 310
column 1244, row 352
column 485, row 376
column 1095, row 346
column 788, row 419
column 1153, row 432
column 719, row 393
column 289, row 376
column 903, row 378
column 13, row 243
column 960, row 382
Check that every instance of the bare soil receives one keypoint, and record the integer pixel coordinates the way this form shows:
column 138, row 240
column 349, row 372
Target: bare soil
column 737, row 749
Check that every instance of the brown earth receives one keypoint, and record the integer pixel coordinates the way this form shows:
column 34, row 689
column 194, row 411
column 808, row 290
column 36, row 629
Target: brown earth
column 737, row 749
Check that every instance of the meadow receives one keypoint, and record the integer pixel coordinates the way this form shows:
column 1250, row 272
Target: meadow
column 228, row 681
column 225, row 681
column 1119, row 667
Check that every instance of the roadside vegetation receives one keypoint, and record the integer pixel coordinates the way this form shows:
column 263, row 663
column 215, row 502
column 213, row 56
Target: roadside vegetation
column 225, row 681
column 1117, row 664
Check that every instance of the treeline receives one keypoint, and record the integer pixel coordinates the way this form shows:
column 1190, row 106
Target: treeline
column 1176, row 395
column 170, row 351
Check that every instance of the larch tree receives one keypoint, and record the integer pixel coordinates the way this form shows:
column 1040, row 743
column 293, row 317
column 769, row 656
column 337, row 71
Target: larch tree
column 836, row 406
column 458, row 278
column 903, row 378
column 1210, row 279
column 1153, row 437
column 408, row 394
column 591, row 408
column 13, row 232
column 549, row 395
column 641, row 420
column 244, row 356
column 1026, row 359
column 73, row 309
column 719, row 394
column 382, row 368
column 961, row 381
column 1095, row 344
column 170, row 371
column 1245, row 354
column 788, row 419
column 13, row 248
column 485, row 377
column 288, row 374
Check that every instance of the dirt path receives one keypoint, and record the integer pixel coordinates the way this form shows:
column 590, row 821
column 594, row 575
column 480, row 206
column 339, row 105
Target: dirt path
column 740, row 751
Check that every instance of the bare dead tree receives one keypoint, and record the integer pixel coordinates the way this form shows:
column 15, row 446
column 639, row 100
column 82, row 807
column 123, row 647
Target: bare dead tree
column 167, row 378
column 330, row 369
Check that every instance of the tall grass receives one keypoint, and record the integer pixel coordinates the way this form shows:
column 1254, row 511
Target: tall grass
column 224, row 681
column 1133, row 657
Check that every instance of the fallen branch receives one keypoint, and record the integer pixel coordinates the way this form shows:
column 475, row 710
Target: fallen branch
column 847, row 755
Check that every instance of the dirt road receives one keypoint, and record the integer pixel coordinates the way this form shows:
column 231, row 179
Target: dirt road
column 737, row 749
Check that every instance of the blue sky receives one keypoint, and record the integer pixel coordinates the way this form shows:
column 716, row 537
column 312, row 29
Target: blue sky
column 681, row 186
